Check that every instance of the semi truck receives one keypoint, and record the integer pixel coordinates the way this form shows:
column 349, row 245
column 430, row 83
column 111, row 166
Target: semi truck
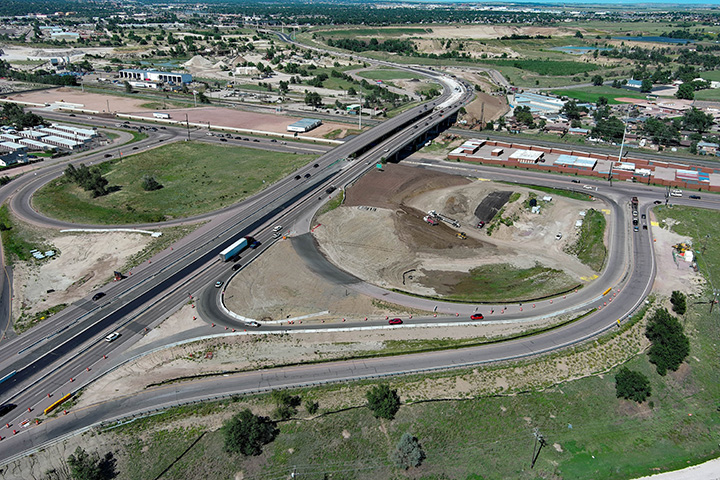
column 234, row 249
column 161, row 115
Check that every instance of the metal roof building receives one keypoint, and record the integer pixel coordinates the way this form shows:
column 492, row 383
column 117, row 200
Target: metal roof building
column 304, row 125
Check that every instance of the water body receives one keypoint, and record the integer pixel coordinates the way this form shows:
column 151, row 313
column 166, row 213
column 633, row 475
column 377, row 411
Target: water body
column 580, row 50
column 681, row 41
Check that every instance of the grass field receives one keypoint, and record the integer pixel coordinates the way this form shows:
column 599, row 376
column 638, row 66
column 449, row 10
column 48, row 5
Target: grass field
column 196, row 178
column 558, row 191
column 17, row 242
column 503, row 282
column 387, row 74
column 590, row 246
column 591, row 94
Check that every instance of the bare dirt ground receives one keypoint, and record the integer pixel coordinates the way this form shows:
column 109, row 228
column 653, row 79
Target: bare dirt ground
column 673, row 274
column 243, row 119
column 84, row 262
column 89, row 101
column 393, row 247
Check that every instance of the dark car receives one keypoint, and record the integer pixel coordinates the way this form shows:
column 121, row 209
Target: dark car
column 254, row 244
column 307, row 175
column 635, row 221
column 237, row 266
column 108, row 155
column 297, row 177
column 330, row 189
column 644, row 227
column 6, row 408
column 256, row 140
column 476, row 316
column 223, row 139
column 395, row 321
column 575, row 181
column 642, row 216
column 98, row 296
column 273, row 140
column 316, row 165
column 657, row 202
column 695, row 197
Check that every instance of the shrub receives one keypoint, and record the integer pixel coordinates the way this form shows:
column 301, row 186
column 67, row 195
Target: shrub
column 669, row 346
column 383, row 402
column 285, row 404
column 247, row 433
column 632, row 385
column 149, row 183
column 311, row 407
column 408, row 452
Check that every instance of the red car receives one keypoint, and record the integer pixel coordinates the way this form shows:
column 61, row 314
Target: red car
column 395, row 321
column 476, row 316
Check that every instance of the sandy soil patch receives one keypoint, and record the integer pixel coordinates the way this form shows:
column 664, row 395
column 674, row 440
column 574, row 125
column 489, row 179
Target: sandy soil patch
column 84, row 263
column 390, row 245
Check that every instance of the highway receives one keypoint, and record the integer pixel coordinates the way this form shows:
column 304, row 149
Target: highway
column 59, row 355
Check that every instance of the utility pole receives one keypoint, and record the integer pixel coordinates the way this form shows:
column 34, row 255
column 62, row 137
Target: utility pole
column 536, row 450
column 360, row 114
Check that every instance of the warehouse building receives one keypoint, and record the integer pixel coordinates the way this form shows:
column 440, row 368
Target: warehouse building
column 304, row 125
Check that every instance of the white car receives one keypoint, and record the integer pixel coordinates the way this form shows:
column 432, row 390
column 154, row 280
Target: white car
column 252, row 323
column 277, row 228
column 112, row 336
column 558, row 236
column 587, row 187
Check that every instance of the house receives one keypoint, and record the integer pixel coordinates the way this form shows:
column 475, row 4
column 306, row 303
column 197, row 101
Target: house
column 578, row 131
column 633, row 84
column 707, row 148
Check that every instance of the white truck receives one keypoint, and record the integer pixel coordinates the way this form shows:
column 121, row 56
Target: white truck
column 161, row 115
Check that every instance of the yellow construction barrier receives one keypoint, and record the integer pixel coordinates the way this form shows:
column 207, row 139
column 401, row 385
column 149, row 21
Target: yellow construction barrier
column 607, row 291
column 54, row 405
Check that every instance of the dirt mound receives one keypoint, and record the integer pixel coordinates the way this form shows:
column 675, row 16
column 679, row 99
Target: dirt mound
column 390, row 187
column 198, row 61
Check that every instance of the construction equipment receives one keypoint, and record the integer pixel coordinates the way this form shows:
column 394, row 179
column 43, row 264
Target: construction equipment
column 461, row 235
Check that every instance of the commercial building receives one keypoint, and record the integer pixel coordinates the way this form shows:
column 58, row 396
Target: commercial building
column 304, row 125
column 145, row 75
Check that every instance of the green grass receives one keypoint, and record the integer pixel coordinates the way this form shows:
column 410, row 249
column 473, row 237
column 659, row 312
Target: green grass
column 332, row 204
column 196, row 178
column 590, row 246
column 17, row 242
column 710, row 94
column 591, row 94
column 556, row 191
column 500, row 283
column 547, row 67
column 387, row 74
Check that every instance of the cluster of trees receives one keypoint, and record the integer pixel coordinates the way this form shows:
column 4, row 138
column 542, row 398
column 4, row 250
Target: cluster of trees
column 669, row 348
column 404, row 47
column 37, row 76
column 669, row 345
column 13, row 114
column 149, row 183
column 89, row 179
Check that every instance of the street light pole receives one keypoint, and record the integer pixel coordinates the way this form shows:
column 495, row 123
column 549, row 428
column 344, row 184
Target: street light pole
column 187, row 122
column 360, row 114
